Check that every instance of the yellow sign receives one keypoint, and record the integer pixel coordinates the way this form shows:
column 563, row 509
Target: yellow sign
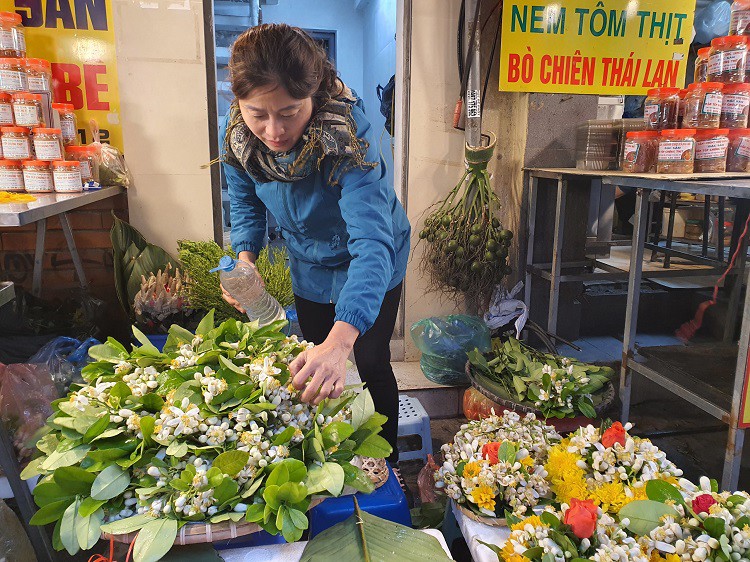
column 587, row 47
column 78, row 38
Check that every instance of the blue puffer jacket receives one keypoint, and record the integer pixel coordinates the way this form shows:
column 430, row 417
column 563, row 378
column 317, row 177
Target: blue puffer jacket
column 347, row 245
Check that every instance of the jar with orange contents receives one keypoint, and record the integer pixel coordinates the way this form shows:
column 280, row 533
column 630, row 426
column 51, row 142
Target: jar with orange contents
column 676, row 151
column 89, row 157
column 37, row 176
column 13, row 75
column 39, row 75
column 703, row 105
column 48, row 144
column 27, row 109
column 701, row 65
column 11, row 176
column 728, row 58
column 68, row 122
column 6, row 110
column 12, row 38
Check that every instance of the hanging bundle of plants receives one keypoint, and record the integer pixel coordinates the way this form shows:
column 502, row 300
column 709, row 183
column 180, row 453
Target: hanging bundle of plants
column 467, row 246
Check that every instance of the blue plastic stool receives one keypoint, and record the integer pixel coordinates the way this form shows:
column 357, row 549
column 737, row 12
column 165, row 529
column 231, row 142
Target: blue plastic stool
column 413, row 420
column 260, row 538
column 387, row 502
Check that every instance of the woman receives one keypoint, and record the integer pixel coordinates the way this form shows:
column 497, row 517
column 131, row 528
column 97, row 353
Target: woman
column 297, row 143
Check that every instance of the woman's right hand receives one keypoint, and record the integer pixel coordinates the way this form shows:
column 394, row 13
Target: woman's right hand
column 249, row 258
column 234, row 302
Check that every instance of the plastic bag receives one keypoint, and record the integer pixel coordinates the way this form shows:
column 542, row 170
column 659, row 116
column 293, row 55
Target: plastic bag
column 444, row 342
column 426, row 481
column 64, row 358
column 504, row 307
column 113, row 170
column 26, row 394
column 711, row 20
column 15, row 545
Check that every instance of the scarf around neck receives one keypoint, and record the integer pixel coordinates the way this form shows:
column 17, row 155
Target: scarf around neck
column 332, row 132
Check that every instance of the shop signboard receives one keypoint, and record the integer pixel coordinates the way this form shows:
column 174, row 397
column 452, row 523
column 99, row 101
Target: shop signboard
column 78, row 38
column 589, row 47
column 744, row 421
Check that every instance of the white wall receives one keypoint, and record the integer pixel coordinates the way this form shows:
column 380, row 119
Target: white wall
column 162, row 79
column 338, row 15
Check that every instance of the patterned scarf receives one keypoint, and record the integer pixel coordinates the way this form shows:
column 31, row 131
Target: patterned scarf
column 332, row 132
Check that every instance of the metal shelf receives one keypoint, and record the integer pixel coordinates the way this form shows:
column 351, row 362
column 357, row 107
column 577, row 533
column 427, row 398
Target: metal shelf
column 49, row 205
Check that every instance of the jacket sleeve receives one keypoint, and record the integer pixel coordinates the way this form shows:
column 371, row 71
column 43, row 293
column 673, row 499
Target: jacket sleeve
column 365, row 207
column 246, row 211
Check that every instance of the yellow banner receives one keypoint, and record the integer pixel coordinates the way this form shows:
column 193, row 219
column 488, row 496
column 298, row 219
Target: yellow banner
column 78, row 38
column 587, row 47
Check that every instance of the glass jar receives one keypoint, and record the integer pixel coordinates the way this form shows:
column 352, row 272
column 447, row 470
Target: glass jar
column 740, row 20
column 676, row 151
column 11, row 176
column 68, row 122
column 703, row 105
column 39, row 75
column 16, row 143
column 48, row 144
column 6, row 110
column 67, row 176
column 13, row 75
column 734, row 106
column 727, row 61
column 37, row 177
column 89, row 158
column 738, row 159
column 12, row 38
column 27, row 109
column 711, row 150
column 701, row 65
column 641, row 148
column 661, row 108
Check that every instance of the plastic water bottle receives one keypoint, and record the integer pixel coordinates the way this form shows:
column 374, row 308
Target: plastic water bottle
column 242, row 281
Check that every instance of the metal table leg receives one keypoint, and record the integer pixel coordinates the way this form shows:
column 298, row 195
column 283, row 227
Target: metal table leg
column 533, row 191
column 730, row 324
column 670, row 227
column 36, row 280
column 659, row 219
column 706, row 221
column 73, row 250
column 554, row 290
column 720, row 239
column 634, row 292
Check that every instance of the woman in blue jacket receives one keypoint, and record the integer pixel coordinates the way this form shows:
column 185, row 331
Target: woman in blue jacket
column 297, row 143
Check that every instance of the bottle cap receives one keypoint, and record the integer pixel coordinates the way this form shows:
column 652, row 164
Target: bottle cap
column 226, row 263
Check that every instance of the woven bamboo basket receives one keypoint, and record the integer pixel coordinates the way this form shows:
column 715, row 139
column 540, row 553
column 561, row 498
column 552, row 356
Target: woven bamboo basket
column 198, row 533
column 491, row 521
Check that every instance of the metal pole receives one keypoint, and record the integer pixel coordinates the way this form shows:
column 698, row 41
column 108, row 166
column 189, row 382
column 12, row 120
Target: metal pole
column 473, row 129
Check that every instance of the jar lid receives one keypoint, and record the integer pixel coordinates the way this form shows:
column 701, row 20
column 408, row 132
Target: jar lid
column 14, row 130
column 46, row 131
column 64, row 107
column 26, row 96
column 11, row 17
column 85, row 149
column 703, row 53
column 8, row 60
column 657, row 92
column 642, row 134
column 739, row 132
column 10, row 164
column 729, row 41
column 43, row 163
column 733, row 88
column 5, row 96
column 678, row 133
column 66, row 164
column 706, row 86
column 44, row 64
column 708, row 133
column 683, row 93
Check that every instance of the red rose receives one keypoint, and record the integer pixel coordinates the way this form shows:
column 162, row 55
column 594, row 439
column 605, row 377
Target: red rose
column 615, row 434
column 703, row 503
column 489, row 452
column 581, row 516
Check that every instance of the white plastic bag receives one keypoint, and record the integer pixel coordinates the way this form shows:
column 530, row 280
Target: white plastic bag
column 504, row 308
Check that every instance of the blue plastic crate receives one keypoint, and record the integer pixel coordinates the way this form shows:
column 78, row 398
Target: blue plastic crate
column 387, row 502
column 260, row 538
column 158, row 340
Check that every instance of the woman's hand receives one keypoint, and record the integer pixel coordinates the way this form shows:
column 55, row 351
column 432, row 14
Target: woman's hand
column 234, row 302
column 324, row 365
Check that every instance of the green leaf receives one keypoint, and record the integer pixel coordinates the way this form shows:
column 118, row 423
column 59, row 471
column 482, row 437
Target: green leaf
column 375, row 422
column 146, row 346
column 230, row 365
column 226, row 490
column 725, row 548
column 645, row 515
column 68, row 529
column 96, row 429
column 362, row 409
column 147, row 428
column 206, row 324
column 298, row 518
column 152, row 402
column 270, row 495
column 254, row 512
column 236, row 517
column 357, row 479
column 67, row 458
column 50, row 512
column 534, row 553
column 329, row 477
column 231, row 462
column 295, row 468
column 127, row 525
column 108, row 434
column 154, row 540
column 88, row 530
column 661, row 491
column 714, row 526
column 107, row 352
column 74, row 480
column 120, row 390
column 177, row 449
column 737, row 500
column 110, row 483
column 585, row 407
column 507, row 452
column 550, row 520
column 285, row 436
column 374, row 446
column 336, row 432
column 89, row 506
column 49, row 492
column 253, row 487
column 34, row 468
column 291, row 493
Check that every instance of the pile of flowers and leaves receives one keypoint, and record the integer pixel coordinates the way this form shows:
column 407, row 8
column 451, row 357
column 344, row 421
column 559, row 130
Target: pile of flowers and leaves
column 691, row 523
column 496, row 465
column 608, row 466
column 559, row 387
column 209, row 430
column 579, row 531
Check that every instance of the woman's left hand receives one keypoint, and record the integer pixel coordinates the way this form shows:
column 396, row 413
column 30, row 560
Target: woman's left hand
column 326, row 364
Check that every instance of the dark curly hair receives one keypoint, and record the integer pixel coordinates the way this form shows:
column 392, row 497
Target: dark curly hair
column 277, row 53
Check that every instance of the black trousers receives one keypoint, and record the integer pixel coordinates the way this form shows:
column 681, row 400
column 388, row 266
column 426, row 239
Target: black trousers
column 372, row 352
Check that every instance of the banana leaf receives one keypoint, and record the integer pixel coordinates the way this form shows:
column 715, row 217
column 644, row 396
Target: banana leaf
column 134, row 257
column 367, row 538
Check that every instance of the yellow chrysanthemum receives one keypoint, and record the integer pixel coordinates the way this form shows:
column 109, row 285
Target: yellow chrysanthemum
column 657, row 557
column 638, row 494
column 484, row 497
column 532, row 520
column 471, row 470
column 561, row 465
column 566, row 490
column 609, row 496
column 508, row 554
column 527, row 461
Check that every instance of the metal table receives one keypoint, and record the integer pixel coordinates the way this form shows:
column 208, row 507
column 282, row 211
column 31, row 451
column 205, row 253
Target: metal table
column 49, row 205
